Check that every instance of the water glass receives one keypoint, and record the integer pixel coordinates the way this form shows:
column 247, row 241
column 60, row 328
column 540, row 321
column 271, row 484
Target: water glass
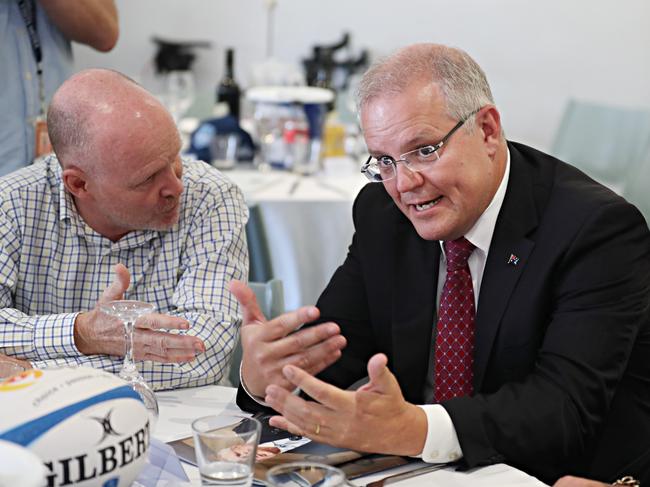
column 179, row 93
column 225, row 447
column 223, row 150
column 305, row 474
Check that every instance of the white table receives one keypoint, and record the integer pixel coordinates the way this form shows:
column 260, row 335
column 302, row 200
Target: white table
column 180, row 407
column 307, row 221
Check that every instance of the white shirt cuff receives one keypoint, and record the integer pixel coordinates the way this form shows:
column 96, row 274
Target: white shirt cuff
column 441, row 445
column 258, row 399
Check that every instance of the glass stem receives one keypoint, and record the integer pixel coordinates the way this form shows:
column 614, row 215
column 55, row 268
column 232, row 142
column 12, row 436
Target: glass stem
column 129, row 370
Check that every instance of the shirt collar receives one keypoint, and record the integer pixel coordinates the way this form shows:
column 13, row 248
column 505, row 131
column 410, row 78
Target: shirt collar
column 67, row 208
column 480, row 235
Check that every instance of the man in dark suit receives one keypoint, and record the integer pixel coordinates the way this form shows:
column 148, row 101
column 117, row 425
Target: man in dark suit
column 506, row 291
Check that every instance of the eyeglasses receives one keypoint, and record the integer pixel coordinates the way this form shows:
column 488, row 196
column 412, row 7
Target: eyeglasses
column 384, row 168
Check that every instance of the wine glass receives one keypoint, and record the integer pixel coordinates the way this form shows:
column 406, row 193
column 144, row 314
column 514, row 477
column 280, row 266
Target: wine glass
column 128, row 311
column 179, row 92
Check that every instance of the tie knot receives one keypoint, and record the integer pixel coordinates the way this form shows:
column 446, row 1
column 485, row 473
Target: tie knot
column 457, row 252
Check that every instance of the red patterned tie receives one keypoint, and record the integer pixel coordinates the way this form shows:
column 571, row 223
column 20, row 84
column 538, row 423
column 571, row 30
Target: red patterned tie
column 454, row 351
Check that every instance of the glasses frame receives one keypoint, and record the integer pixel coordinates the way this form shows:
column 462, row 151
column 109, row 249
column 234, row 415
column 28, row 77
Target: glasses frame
column 366, row 168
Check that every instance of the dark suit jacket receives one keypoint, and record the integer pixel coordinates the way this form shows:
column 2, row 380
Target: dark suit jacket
column 562, row 357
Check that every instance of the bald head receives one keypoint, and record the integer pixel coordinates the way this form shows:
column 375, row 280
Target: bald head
column 460, row 79
column 95, row 112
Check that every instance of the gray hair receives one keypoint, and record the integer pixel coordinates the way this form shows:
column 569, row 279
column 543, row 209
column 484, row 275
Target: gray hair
column 68, row 129
column 461, row 80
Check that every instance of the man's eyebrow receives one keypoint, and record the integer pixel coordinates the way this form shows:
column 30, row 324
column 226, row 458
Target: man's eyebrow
column 415, row 142
column 141, row 178
column 422, row 139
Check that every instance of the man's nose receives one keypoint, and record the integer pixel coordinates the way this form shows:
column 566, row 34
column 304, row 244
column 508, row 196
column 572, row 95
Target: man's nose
column 406, row 179
column 174, row 185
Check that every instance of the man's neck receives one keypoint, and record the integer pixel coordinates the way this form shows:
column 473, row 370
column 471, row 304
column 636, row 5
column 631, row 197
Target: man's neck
column 104, row 228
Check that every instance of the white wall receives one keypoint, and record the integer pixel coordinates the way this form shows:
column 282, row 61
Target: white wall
column 536, row 53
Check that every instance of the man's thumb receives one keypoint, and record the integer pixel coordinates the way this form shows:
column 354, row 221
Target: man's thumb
column 380, row 378
column 251, row 312
column 119, row 285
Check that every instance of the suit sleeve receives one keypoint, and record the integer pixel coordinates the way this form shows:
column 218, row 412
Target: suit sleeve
column 599, row 306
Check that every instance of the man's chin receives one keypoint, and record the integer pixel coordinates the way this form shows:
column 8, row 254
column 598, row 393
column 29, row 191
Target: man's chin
column 167, row 222
column 437, row 232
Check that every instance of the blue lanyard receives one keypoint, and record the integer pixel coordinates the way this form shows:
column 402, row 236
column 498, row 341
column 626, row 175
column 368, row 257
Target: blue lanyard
column 28, row 12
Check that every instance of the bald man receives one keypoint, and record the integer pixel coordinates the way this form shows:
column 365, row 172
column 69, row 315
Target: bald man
column 117, row 214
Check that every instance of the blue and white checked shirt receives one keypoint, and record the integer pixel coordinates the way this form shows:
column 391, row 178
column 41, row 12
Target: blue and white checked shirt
column 53, row 266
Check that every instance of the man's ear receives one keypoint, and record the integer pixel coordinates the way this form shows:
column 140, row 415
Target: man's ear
column 75, row 182
column 488, row 120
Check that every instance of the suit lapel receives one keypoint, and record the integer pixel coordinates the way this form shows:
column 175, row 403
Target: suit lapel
column 507, row 259
column 415, row 274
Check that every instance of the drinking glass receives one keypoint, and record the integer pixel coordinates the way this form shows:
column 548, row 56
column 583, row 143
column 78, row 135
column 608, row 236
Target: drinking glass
column 225, row 447
column 128, row 311
column 179, row 93
column 223, row 149
column 305, row 474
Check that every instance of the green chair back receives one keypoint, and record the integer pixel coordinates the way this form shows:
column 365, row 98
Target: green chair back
column 605, row 142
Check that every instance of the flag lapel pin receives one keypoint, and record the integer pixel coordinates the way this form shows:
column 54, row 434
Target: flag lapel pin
column 513, row 260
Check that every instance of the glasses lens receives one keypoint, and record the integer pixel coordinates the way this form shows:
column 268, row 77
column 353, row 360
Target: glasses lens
column 378, row 171
column 420, row 159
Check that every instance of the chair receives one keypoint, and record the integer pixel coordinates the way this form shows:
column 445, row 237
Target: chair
column 605, row 142
column 636, row 187
column 270, row 297
column 260, row 269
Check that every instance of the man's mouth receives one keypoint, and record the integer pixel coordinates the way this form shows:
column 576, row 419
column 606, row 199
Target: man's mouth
column 170, row 208
column 428, row 204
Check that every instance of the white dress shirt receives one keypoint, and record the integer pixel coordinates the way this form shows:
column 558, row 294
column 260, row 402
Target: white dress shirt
column 442, row 444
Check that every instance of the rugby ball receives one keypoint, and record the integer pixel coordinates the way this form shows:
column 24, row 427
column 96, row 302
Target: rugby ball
column 20, row 467
column 88, row 427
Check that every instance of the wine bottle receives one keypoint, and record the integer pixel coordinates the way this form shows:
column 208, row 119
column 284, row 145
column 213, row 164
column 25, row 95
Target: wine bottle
column 228, row 89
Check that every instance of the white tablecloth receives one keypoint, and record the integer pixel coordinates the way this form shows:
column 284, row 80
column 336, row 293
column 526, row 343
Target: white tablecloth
column 180, row 407
column 307, row 221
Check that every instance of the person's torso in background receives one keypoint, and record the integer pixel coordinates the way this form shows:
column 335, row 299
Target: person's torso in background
column 19, row 91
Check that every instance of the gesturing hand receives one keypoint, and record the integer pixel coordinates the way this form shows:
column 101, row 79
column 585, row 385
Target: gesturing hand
column 270, row 345
column 97, row 333
column 375, row 418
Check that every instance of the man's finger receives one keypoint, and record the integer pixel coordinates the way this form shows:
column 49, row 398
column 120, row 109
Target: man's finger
column 160, row 343
column 286, row 323
column 157, row 321
column 303, row 340
column 171, row 357
column 319, row 356
column 282, row 423
column 315, row 367
column 326, row 394
column 118, row 287
column 304, row 415
column 21, row 363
